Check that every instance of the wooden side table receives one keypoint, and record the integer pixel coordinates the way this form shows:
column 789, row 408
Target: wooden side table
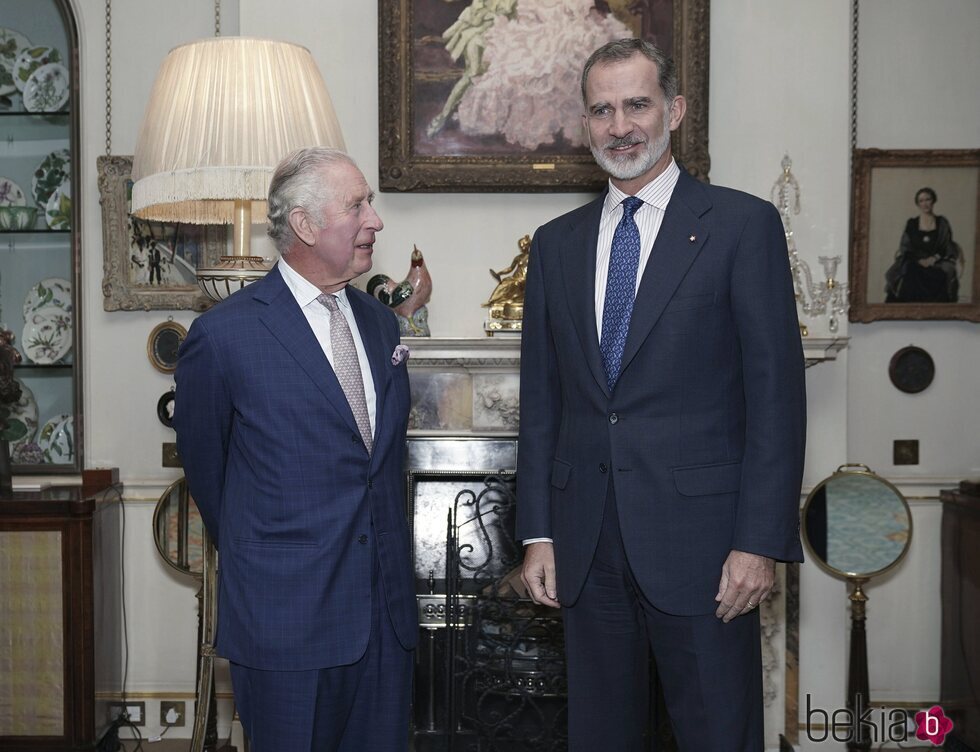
column 960, row 678
column 47, row 675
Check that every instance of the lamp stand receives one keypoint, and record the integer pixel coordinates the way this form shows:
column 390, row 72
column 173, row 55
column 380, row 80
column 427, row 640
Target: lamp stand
column 234, row 272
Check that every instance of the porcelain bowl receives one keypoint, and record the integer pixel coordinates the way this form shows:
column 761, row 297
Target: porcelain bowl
column 17, row 217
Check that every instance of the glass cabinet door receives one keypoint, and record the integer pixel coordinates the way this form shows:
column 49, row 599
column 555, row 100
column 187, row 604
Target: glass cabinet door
column 39, row 232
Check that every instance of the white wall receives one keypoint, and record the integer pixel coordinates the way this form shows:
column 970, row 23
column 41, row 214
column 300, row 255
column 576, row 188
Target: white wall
column 779, row 83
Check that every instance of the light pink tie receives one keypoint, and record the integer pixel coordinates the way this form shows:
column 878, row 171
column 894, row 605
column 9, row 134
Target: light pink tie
column 347, row 367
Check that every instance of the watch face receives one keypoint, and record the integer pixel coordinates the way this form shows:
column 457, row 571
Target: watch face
column 163, row 345
column 911, row 369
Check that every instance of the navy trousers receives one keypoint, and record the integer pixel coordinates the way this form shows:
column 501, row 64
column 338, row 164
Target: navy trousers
column 711, row 672
column 363, row 707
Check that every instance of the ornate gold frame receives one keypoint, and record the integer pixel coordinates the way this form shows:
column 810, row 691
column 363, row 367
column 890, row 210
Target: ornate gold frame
column 151, row 345
column 401, row 169
column 119, row 292
column 865, row 162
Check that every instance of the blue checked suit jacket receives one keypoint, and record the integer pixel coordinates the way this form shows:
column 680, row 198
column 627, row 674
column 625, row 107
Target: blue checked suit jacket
column 703, row 435
column 298, row 509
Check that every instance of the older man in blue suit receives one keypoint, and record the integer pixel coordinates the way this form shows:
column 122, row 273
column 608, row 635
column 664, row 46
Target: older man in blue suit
column 662, row 426
column 292, row 408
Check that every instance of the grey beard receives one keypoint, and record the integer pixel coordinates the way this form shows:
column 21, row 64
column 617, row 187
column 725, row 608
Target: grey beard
column 630, row 168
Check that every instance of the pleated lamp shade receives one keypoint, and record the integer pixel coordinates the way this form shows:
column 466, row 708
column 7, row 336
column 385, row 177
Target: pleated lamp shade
column 222, row 113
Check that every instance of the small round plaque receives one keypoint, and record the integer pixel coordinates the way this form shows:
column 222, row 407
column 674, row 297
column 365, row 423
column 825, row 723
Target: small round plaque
column 165, row 409
column 911, row 370
column 163, row 344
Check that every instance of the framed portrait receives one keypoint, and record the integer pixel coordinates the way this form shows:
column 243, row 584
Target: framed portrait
column 484, row 95
column 915, row 225
column 150, row 265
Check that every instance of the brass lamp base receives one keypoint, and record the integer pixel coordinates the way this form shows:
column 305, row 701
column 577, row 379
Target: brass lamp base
column 231, row 274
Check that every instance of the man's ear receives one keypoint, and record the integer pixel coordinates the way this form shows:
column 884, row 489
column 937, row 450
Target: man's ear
column 677, row 109
column 302, row 226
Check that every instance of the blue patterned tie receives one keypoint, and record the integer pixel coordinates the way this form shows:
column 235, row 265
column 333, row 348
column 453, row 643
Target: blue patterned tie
column 624, row 259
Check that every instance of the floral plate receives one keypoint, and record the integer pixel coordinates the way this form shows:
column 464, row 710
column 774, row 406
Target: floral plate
column 57, row 212
column 49, row 292
column 57, row 440
column 29, row 60
column 21, row 418
column 47, row 89
column 52, row 172
column 47, row 335
column 11, row 43
column 11, row 194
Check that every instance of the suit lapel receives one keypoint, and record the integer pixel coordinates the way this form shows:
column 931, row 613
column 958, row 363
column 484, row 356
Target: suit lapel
column 284, row 318
column 578, row 259
column 682, row 236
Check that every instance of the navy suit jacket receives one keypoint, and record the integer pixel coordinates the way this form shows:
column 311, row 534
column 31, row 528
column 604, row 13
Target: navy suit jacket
column 298, row 509
column 703, row 436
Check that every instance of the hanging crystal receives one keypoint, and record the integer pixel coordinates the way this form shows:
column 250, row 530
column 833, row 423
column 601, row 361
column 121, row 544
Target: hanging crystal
column 828, row 297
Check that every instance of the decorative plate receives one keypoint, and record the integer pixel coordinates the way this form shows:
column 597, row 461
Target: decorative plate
column 47, row 335
column 47, row 89
column 21, row 418
column 57, row 440
column 911, row 369
column 57, row 212
column 11, row 193
column 49, row 292
column 52, row 172
column 28, row 453
column 29, row 60
column 11, row 43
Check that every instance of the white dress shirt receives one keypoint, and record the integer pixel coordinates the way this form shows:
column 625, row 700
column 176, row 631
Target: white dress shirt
column 655, row 195
column 306, row 294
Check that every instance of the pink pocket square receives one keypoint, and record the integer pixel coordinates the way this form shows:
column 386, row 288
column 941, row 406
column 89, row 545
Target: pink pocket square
column 400, row 355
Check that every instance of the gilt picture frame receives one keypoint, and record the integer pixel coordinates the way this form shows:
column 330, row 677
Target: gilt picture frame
column 514, row 125
column 149, row 265
column 904, row 266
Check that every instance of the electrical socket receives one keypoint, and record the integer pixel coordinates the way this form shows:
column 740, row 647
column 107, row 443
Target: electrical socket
column 171, row 713
column 134, row 711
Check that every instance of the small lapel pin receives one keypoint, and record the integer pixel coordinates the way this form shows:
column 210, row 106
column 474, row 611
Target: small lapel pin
column 692, row 238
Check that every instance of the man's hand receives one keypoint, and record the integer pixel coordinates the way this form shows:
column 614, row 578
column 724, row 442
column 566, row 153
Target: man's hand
column 539, row 574
column 746, row 581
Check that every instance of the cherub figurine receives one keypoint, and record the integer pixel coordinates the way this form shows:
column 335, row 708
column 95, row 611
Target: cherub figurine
column 408, row 297
column 507, row 299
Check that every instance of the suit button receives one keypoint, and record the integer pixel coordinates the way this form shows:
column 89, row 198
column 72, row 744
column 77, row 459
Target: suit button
column 370, row 484
column 354, row 439
column 613, row 418
column 362, row 539
column 602, row 467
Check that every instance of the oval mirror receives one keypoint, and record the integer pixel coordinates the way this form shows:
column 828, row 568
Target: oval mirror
column 856, row 524
column 178, row 530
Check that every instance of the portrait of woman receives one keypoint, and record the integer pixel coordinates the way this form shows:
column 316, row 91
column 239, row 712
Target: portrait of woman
column 928, row 263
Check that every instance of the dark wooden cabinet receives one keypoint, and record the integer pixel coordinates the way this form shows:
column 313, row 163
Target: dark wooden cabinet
column 960, row 682
column 47, row 641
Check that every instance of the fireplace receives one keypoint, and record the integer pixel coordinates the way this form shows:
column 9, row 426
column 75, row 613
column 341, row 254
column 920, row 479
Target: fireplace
column 490, row 674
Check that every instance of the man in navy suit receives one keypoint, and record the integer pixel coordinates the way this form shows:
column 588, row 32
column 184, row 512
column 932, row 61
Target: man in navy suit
column 662, row 426
column 292, row 410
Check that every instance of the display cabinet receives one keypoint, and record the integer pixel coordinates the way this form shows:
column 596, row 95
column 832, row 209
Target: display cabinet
column 39, row 232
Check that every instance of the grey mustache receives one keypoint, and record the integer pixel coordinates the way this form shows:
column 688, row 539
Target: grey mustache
column 617, row 142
